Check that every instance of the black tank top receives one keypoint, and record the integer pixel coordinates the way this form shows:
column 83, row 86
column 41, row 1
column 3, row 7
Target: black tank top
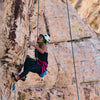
column 42, row 57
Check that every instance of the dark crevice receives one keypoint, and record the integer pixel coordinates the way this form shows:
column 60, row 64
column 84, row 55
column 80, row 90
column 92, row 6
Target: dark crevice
column 94, row 24
column 7, row 57
column 34, row 27
column 90, row 14
column 48, row 96
column 87, row 93
column 6, row 51
column 90, row 82
column 12, row 34
column 18, row 8
column 2, row 61
column 74, row 40
column 78, row 4
column 57, row 42
column 35, row 1
column 80, row 40
column 63, row 1
column 46, row 24
column 99, row 12
column 19, row 67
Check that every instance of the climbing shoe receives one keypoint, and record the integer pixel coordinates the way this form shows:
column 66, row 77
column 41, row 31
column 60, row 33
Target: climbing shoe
column 23, row 78
column 16, row 77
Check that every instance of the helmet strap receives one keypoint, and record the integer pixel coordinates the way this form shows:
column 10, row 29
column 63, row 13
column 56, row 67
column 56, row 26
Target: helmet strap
column 40, row 43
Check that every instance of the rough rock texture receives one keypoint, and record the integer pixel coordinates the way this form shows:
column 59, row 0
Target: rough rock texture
column 90, row 11
column 59, row 83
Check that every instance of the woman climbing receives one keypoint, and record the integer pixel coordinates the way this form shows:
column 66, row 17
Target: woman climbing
column 38, row 66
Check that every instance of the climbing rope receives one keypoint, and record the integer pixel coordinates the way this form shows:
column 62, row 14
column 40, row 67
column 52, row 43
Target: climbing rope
column 72, row 49
column 30, row 4
column 37, row 26
column 38, row 19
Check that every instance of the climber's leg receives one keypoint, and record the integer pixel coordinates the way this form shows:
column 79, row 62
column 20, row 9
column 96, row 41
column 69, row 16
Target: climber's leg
column 34, row 68
column 28, row 62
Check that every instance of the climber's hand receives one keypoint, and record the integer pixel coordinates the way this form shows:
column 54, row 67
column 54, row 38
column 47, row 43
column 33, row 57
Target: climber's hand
column 32, row 43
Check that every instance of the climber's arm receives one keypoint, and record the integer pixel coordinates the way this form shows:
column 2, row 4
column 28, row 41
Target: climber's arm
column 41, row 50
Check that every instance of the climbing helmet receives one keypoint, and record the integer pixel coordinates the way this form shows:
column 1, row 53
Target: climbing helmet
column 46, row 37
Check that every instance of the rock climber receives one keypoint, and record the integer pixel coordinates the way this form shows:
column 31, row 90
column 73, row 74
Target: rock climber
column 38, row 66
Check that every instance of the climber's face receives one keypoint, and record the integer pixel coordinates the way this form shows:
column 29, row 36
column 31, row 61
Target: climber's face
column 40, row 39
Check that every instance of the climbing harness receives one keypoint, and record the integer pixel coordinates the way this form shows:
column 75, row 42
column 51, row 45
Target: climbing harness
column 72, row 49
column 43, row 64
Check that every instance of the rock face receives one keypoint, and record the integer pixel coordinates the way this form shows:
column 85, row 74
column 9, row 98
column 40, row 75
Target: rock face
column 59, row 83
column 90, row 11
